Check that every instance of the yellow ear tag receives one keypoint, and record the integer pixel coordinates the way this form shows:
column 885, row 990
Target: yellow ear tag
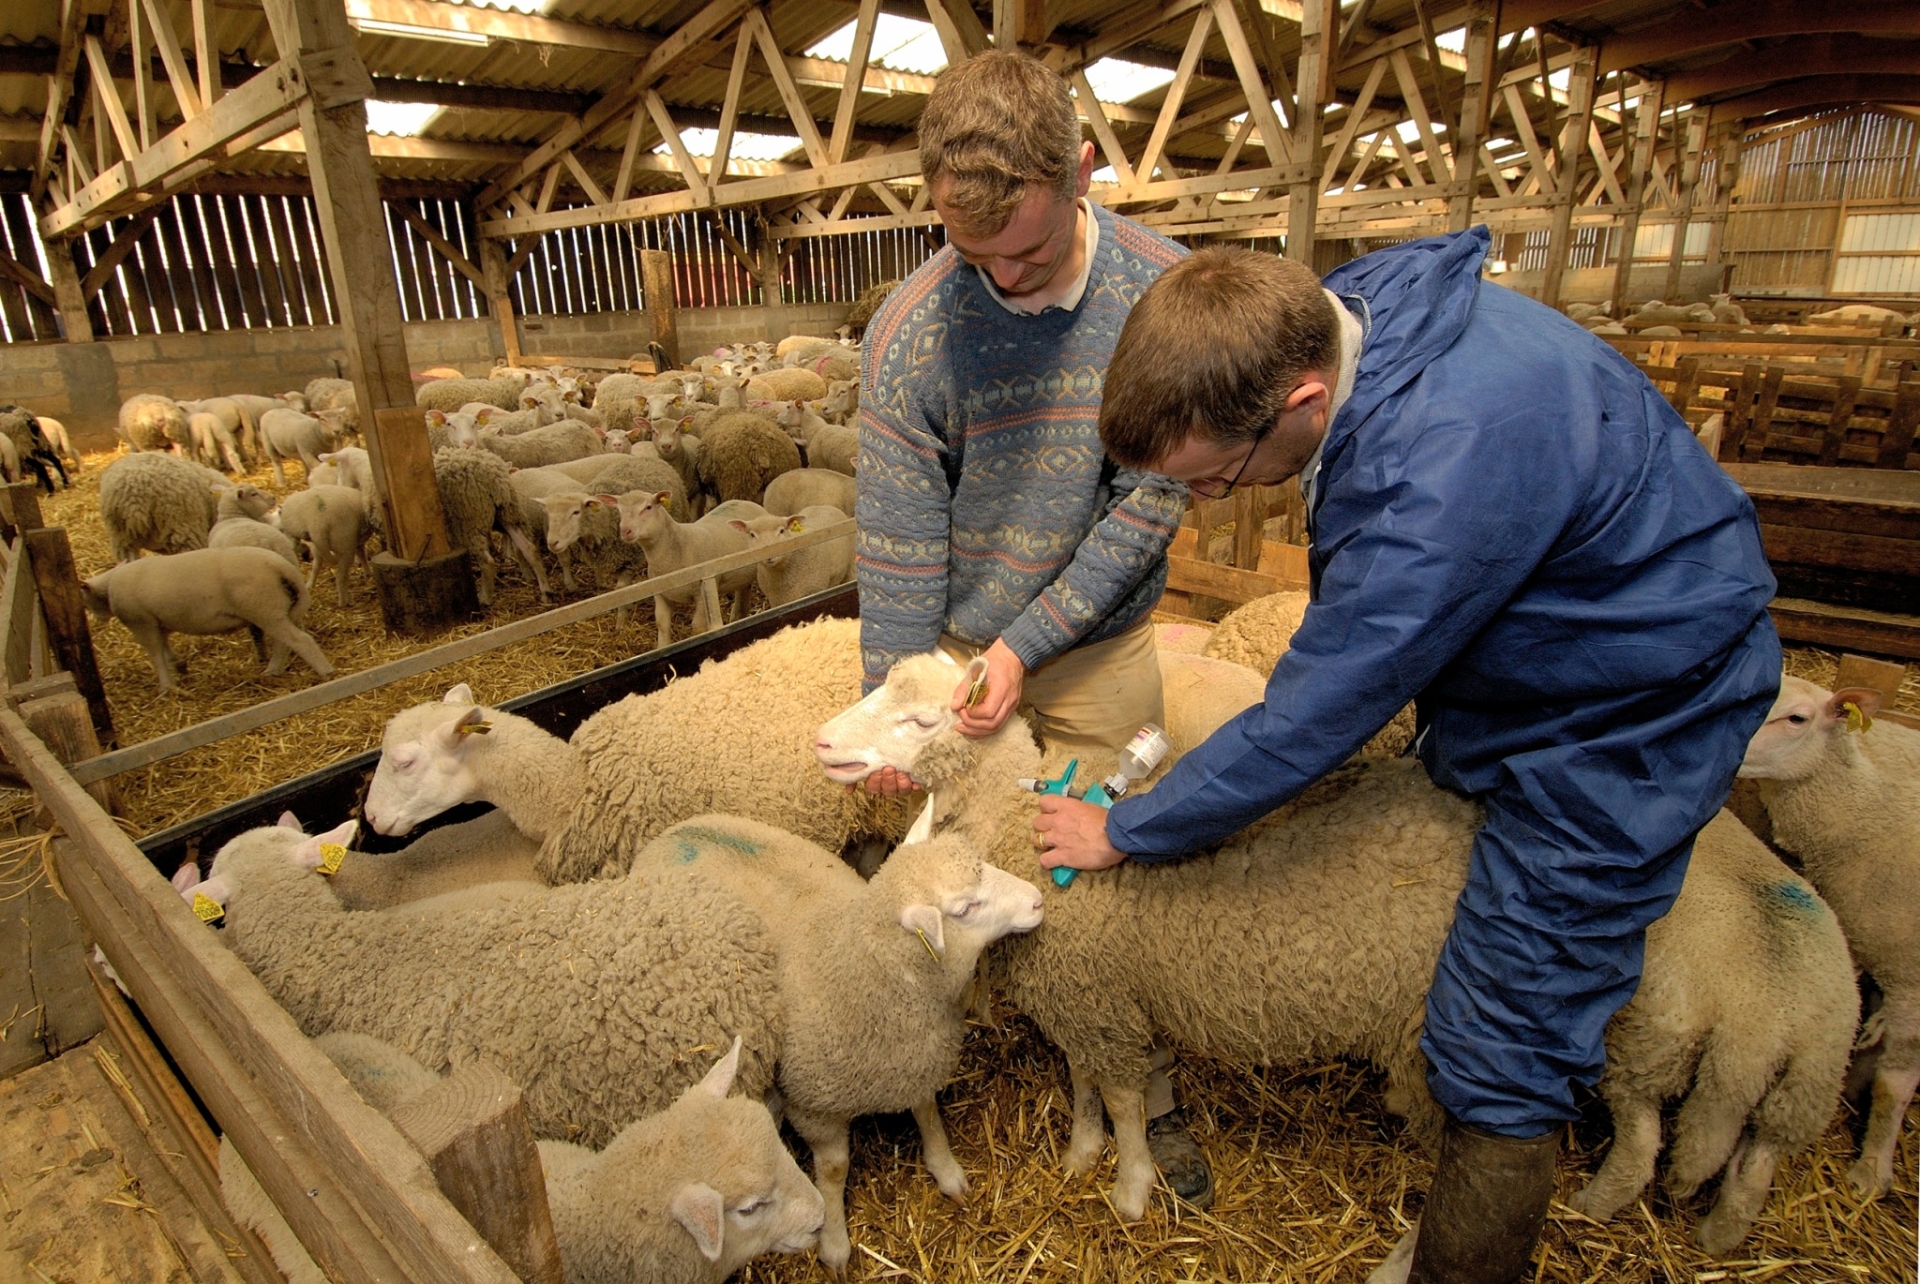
column 332, row 856
column 977, row 692
column 474, row 728
column 1857, row 720
column 206, row 909
column 932, row 953
column 796, row 527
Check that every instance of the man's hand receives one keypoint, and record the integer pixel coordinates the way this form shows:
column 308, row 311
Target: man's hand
column 1075, row 834
column 1005, row 676
column 891, row 782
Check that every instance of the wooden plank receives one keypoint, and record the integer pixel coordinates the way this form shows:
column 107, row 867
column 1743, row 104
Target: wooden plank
column 857, row 58
column 1273, row 134
column 729, row 109
column 18, row 608
column 1884, row 676
column 246, row 278
column 1839, row 419
column 107, row 94
column 337, row 689
column 116, row 252
column 1191, row 575
column 448, row 250
column 689, row 172
column 185, row 91
column 1846, row 627
column 1896, row 442
column 1874, row 554
column 57, row 584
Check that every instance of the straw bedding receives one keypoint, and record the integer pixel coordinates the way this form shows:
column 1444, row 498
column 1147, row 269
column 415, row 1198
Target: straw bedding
column 1315, row 1180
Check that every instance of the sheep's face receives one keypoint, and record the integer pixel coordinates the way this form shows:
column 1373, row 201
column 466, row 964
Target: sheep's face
column 425, row 763
column 95, row 592
column 563, row 519
column 954, row 899
column 766, row 532
column 893, row 726
column 1802, row 727
column 643, row 516
column 715, row 1166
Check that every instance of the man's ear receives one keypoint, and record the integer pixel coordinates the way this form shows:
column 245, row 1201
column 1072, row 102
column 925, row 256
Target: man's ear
column 1083, row 180
column 1305, row 393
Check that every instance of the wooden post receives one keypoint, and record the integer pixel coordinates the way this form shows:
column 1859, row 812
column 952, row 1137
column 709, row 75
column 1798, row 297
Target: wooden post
column 1639, row 161
column 1475, row 101
column 656, row 282
column 57, row 713
column 473, row 1132
column 1695, row 143
column 1317, row 18
column 1726, row 177
column 58, row 585
column 68, row 297
column 1569, row 147
column 333, row 121
column 773, row 301
column 493, row 265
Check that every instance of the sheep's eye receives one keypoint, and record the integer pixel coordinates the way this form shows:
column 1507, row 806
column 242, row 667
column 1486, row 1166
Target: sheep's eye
column 966, row 909
column 751, row 1207
column 1797, row 719
column 926, row 724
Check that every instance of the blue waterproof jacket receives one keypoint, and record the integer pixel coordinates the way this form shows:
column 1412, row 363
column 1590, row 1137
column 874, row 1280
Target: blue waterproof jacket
column 1510, row 523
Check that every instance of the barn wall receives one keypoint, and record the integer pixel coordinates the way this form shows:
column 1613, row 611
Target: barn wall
column 84, row 383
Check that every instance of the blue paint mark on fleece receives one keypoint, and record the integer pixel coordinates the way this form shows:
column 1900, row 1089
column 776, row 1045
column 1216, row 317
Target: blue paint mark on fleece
column 687, row 843
column 1795, row 895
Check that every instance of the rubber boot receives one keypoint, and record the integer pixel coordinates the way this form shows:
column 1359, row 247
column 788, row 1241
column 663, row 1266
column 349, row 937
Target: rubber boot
column 1486, row 1208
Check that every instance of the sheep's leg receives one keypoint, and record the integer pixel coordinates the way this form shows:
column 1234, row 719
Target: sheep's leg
column 1089, row 1127
column 1629, row 1165
column 937, row 1154
column 259, row 643
column 828, row 1139
column 662, row 620
column 232, row 450
column 488, row 574
column 154, row 642
column 1133, row 1174
column 342, row 569
column 286, row 634
column 277, row 661
column 1893, row 1087
column 309, row 461
column 531, row 556
column 1743, row 1192
column 279, row 474
column 1709, row 1126
column 620, row 581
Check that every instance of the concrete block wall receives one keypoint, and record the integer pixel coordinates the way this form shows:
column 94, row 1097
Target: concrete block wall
column 83, row 384
column 1595, row 285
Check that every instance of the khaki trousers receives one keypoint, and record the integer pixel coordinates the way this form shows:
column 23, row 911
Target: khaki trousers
column 1092, row 698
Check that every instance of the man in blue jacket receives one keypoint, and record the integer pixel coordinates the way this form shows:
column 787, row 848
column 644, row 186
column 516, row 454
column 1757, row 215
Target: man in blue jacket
column 1512, row 528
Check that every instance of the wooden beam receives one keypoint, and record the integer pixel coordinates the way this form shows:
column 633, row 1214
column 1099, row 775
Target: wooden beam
column 1320, row 19
column 1568, row 148
column 1470, row 125
column 1824, row 54
column 503, row 24
column 145, row 112
column 730, row 107
column 1176, row 91
column 850, row 89
column 1273, row 134
column 961, row 33
column 59, row 85
column 184, row 89
column 657, row 109
column 1096, row 116
column 26, row 278
column 1125, row 28
column 1639, row 161
column 594, row 193
column 108, row 96
column 1350, row 128
column 797, row 109
column 1820, row 91
column 1689, row 31
column 448, row 250
column 116, row 253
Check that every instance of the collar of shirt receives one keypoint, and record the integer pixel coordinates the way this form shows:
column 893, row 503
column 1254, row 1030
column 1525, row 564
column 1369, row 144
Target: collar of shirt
column 1073, row 297
column 1352, row 335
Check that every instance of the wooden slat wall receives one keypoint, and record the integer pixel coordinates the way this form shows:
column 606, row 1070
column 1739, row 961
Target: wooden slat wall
column 837, row 269
column 24, row 316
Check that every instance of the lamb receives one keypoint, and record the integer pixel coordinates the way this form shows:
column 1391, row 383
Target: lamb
column 740, row 453
column 788, row 577
column 149, row 421
column 60, row 441
column 681, row 450
column 289, row 434
column 802, row 488
column 332, row 521
column 1857, row 314
column 786, row 385
column 243, row 511
column 336, row 395
column 352, row 465
column 646, row 520
column 235, row 423
column 1203, row 694
column 645, row 762
column 686, row 1196
column 478, row 497
column 830, row 446
column 871, row 976
column 1843, row 793
column 444, row 430
column 1314, row 933
column 157, row 501
column 588, row 527
column 1584, row 312
column 209, row 590
column 553, row 444
column 31, row 446
column 1257, row 634
column 512, row 423
column 1726, row 311
column 213, row 441
column 630, row 978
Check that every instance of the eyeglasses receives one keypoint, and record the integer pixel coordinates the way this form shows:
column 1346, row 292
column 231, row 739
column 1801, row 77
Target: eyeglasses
column 1205, row 487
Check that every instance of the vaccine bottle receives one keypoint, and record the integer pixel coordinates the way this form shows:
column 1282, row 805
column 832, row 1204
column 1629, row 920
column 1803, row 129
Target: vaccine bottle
column 1148, row 749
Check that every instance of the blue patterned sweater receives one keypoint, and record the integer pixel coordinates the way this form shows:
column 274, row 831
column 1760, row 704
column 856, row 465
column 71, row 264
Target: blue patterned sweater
column 987, row 508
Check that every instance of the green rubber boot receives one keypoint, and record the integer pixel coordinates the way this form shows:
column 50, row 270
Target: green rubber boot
column 1484, row 1213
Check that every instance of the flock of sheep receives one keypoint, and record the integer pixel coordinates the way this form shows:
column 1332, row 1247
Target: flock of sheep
column 645, row 895
column 617, row 479
column 1658, row 319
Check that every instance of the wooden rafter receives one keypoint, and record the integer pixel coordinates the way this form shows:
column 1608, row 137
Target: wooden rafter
column 797, row 108
column 1176, row 92
column 115, row 253
column 850, row 88
column 1417, row 112
column 1102, row 129
column 184, row 89
column 730, row 109
column 1273, row 134
column 657, row 108
column 447, row 249
column 1350, row 129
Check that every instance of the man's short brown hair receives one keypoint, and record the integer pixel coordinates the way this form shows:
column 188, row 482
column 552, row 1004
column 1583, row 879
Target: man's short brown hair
column 995, row 125
column 1212, row 350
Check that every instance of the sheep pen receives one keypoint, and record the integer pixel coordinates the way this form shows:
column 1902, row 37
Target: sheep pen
column 1314, row 1176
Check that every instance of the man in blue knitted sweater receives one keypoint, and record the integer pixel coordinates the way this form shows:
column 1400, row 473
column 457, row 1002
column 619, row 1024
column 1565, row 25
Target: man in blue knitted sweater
column 1511, row 527
column 991, row 522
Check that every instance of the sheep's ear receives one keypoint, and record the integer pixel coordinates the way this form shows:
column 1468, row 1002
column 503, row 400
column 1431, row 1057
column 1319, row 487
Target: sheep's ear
column 719, row 1080
column 926, row 920
column 1854, row 705
column 921, row 830
column 663, row 498
column 461, row 694
column 742, row 527
column 976, row 668
column 186, row 877
column 472, row 723
column 698, row 1208
column 290, row 821
column 611, row 501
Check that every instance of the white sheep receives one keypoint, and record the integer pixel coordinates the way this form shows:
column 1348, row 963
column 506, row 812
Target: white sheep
column 213, row 442
column 332, row 522
column 802, row 488
column 645, row 762
column 685, row 1196
column 1315, row 933
column 1844, row 797
column 1202, row 694
column 477, row 495
column 289, row 434
column 646, row 519
column 336, row 395
column 587, row 528
column 243, row 523
column 630, row 979
column 1725, row 310
column 871, row 976
column 61, row 441
column 455, row 429
column 786, row 385
column 149, row 421
column 788, row 577
column 235, row 427
column 488, row 851
column 740, row 452
column 828, row 445
column 351, row 466
column 553, row 444
column 209, row 590
column 32, row 448
column 157, row 501
column 681, row 450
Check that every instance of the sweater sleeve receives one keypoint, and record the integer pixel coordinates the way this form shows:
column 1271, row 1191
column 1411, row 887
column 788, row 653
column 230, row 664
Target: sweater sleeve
column 1423, row 554
column 903, row 506
column 1122, row 549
